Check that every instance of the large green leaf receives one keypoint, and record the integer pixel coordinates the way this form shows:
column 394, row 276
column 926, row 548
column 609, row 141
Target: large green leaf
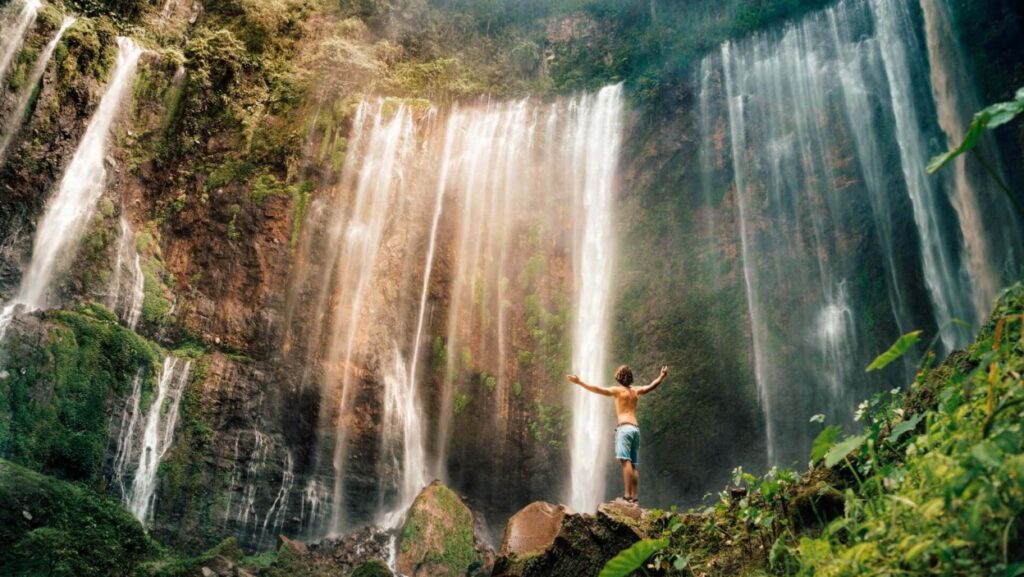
column 989, row 118
column 632, row 558
column 841, row 450
column 904, row 427
column 824, row 442
column 897, row 350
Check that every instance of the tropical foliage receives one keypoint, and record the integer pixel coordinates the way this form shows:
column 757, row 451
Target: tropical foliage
column 988, row 119
column 933, row 484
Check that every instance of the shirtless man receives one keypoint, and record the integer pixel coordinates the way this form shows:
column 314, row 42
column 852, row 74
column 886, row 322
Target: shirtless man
column 627, row 434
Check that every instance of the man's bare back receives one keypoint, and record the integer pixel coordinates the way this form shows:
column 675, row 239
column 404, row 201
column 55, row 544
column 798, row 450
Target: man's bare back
column 625, row 404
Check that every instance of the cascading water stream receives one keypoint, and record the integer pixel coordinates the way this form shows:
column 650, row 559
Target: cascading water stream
column 402, row 410
column 14, row 121
column 127, row 283
column 947, row 288
column 956, row 102
column 13, row 38
column 374, row 186
column 157, row 436
column 814, row 114
column 487, row 161
column 736, row 117
column 856, row 62
column 594, row 148
column 68, row 212
column 126, row 435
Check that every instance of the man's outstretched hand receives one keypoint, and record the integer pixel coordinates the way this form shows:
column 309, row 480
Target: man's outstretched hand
column 664, row 371
column 574, row 379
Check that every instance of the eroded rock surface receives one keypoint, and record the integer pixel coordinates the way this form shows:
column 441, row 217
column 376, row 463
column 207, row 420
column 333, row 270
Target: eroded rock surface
column 544, row 539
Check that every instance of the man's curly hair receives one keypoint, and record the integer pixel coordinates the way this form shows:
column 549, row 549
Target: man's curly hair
column 624, row 376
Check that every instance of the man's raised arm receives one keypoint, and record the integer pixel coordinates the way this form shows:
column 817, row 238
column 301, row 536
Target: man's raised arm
column 654, row 384
column 591, row 388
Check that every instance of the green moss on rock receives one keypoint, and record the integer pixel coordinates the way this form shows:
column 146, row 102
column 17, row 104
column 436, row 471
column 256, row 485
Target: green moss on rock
column 372, row 568
column 437, row 538
column 56, row 529
column 59, row 385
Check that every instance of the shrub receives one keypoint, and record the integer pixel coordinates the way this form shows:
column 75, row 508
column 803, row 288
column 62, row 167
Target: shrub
column 50, row 528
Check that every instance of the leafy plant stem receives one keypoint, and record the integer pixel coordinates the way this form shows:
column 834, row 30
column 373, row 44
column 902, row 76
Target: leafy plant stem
column 1006, row 536
column 995, row 176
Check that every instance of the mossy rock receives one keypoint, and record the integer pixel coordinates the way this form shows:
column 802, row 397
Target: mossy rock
column 66, row 369
column 372, row 568
column 544, row 539
column 55, row 528
column 437, row 538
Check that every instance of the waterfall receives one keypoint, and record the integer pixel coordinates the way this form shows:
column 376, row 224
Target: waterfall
column 13, row 38
column 594, row 147
column 403, row 436
column 374, row 186
column 956, row 103
column 947, row 287
column 816, row 114
column 737, row 133
column 157, row 436
column 257, row 475
column 69, row 211
column 126, row 435
column 859, row 67
column 16, row 118
column 468, row 207
column 486, row 163
column 125, row 291
column 276, row 514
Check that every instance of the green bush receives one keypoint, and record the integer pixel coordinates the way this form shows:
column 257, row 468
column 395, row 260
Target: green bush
column 50, row 528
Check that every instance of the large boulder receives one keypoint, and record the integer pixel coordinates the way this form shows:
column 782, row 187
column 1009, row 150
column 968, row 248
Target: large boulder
column 437, row 539
column 544, row 539
column 533, row 529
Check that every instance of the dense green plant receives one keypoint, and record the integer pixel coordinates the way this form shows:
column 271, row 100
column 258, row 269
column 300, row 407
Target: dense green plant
column 55, row 396
column 939, row 491
column 632, row 558
column 51, row 528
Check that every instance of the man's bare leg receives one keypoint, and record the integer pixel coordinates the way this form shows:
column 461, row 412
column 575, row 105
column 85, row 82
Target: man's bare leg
column 627, row 477
column 635, row 482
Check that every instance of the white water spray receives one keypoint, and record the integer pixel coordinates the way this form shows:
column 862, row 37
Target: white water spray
column 158, row 435
column 373, row 188
column 13, row 38
column 68, row 212
column 594, row 147
column 125, row 291
column 14, row 121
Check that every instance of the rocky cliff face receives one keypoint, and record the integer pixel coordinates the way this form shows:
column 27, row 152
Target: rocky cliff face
column 226, row 164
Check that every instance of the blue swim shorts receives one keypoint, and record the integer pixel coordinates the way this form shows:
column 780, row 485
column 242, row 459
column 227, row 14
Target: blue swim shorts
column 627, row 444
